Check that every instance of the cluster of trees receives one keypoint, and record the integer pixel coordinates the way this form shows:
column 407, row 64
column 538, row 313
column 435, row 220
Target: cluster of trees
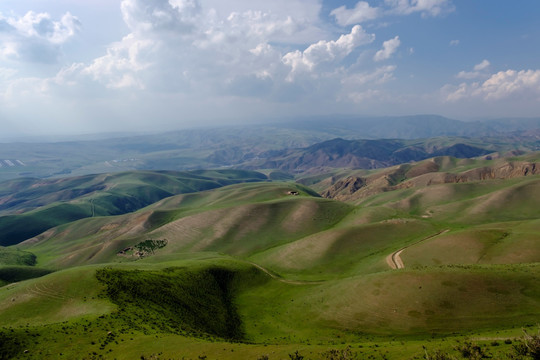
column 149, row 246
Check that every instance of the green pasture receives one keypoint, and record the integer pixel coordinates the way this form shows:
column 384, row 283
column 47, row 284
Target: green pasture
column 272, row 269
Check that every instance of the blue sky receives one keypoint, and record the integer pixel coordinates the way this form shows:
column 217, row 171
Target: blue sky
column 85, row 66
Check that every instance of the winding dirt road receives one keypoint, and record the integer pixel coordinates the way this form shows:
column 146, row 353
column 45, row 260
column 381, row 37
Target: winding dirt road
column 394, row 259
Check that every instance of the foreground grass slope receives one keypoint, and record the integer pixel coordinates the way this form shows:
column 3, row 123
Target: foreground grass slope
column 78, row 314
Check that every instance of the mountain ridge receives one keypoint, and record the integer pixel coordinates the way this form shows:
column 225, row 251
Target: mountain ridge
column 214, row 147
column 363, row 154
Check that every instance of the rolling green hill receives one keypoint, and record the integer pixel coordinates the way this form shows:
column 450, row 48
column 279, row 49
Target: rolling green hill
column 32, row 206
column 418, row 255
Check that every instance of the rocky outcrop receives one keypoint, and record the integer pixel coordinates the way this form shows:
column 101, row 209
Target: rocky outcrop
column 505, row 170
column 346, row 186
column 423, row 174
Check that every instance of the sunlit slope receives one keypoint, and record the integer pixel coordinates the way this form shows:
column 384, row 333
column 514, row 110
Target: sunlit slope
column 473, row 202
column 478, row 222
column 33, row 206
column 484, row 222
column 356, row 186
column 138, row 297
column 503, row 243
column 246, row 229
column 487, row 222
column 344, row 250
column 238, row 220
column 436, row 300
column 53, row 298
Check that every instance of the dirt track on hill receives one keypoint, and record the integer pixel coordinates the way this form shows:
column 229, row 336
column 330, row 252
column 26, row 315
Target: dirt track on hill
column 394, row 259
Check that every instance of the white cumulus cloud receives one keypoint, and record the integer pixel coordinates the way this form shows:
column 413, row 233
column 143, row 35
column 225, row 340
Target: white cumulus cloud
column 511, row 82
column 499, row 86
column 181, row 45
column 482, row 66
column 119, row 68
column 389, row 48
column 160, row 15
column 201, row 54
column 360, row 13
column 424, row 7
column 326, row 51
column 35, row 37
column 479, row 71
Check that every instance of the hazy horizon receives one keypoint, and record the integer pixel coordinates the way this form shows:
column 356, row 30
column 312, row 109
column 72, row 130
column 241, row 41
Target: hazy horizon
column 125, row 66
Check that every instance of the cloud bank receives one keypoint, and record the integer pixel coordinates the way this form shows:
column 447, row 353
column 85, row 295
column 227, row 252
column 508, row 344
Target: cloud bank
column 181, row 61
column 502, row 85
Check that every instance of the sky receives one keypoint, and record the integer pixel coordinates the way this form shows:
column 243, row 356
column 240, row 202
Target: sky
column 89, row 66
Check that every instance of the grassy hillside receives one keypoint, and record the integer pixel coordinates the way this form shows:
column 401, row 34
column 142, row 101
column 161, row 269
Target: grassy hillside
column 33, row 206
column 189, row 305
column 414, row 265
column 238, row 219
column 10, row 256
column 343, row 250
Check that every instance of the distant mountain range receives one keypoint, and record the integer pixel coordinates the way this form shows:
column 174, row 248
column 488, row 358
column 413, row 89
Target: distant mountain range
column 259, row 146
column 412, row 127
column 363, row 154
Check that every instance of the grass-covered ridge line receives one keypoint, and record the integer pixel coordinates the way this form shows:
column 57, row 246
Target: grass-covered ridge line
column 34, row 206
column 239, row 219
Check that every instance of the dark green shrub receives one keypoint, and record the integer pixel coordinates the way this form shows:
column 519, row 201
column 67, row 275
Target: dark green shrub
column 343, row 354
column 438, row 355
column 472, row 351
column 295, row 356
